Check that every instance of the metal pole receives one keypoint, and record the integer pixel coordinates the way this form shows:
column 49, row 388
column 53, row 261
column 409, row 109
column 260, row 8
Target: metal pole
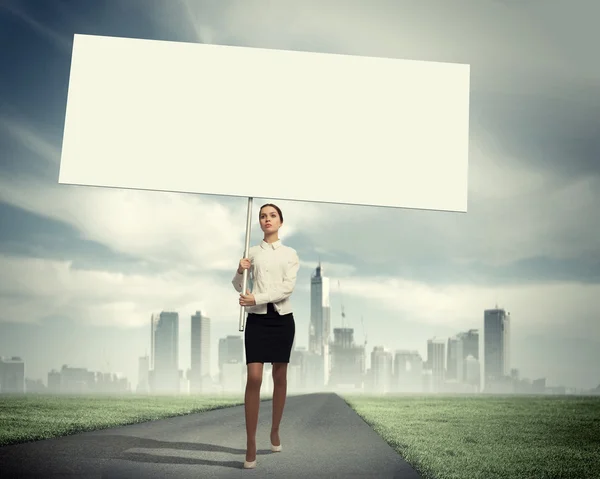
column 246, row 248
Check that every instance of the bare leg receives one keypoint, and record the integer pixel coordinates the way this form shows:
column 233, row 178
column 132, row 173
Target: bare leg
column 279, row 395
column 251, row 406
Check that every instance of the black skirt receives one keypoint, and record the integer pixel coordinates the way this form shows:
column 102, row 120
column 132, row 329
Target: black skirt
column 269, row 337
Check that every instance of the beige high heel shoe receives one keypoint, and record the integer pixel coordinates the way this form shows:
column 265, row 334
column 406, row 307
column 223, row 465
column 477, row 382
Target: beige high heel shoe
column 250, row 464
column 276, row 448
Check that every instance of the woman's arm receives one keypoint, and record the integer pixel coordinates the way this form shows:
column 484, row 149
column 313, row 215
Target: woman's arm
column 286, row 288
column 237, row 281
column 239, row 277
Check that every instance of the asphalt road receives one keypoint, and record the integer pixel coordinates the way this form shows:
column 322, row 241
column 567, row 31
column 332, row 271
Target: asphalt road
column 321, row 437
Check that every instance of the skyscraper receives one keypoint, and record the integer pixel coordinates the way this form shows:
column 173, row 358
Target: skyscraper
column 496, row 349
column 165, row 347
column 320, row 324
column 381, row 369
column 470, row 347
column 320, row 321
column 200, row 351
column 408, row 371
column 454, row 359
column 436, row 358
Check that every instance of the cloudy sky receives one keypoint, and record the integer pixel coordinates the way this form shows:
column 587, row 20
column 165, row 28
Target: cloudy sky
column 82, row 269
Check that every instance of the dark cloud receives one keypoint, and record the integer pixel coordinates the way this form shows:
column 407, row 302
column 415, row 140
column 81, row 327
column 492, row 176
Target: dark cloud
column 557, row 133
column 28, row 235
column 438, row 268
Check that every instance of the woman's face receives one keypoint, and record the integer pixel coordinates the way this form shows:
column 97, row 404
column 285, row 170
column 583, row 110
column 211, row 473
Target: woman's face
column 269, row 220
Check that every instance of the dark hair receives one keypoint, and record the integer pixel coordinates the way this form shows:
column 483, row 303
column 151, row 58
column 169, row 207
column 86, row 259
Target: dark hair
column 274, row 206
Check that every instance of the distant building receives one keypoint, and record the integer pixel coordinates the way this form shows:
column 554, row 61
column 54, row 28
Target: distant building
column 297, row 381
column 382, row 367
column 34, row 386
column 347, row 360
column 200, row 352
column 309, row 370
column 70, row 380
column 231, row 362
column 408, row 371
column 54, row 381
column 436, row 359
column 454, row 359
column 231, row 349
column 496, row 337
column 469, row 347
column 165, row 346
column 538, row 386
column 320, row 324
column 12, row 375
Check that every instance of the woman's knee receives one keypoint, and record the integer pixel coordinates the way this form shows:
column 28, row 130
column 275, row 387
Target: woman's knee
column 255, row 375
column 254, row 380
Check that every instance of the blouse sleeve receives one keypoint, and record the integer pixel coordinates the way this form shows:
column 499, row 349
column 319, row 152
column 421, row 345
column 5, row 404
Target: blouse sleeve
column 239, row 278
column 286, row 287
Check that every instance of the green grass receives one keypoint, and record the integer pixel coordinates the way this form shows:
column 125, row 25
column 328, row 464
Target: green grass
column 26, row 418
column 477, row 437
column 452, row 437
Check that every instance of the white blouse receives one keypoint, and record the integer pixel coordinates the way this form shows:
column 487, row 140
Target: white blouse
column 273, row 273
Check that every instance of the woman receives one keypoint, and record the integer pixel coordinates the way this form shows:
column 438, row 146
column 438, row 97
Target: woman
column 270, row 325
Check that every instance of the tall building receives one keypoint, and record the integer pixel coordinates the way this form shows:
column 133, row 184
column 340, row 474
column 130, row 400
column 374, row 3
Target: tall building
column 408, row 372
column 12, row 375
column 436, row 358
column 347, row 360
column 454, row 359
column 200, row 351
column 165, row 345
column 496, row 345
column 320, row 322
column 381, row 369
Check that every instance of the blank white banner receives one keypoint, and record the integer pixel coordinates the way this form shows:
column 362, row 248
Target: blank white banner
column 186, row 117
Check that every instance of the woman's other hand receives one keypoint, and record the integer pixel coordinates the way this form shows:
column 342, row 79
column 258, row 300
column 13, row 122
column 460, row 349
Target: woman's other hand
column 244, row 264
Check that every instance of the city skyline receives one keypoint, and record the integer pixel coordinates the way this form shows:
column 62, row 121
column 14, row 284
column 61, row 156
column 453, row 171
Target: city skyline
column 82, row 268
column 320, row 307
column 333, row 365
